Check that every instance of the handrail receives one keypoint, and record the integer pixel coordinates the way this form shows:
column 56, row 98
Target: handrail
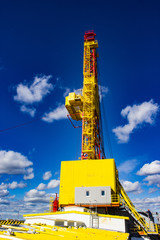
column 131, row 208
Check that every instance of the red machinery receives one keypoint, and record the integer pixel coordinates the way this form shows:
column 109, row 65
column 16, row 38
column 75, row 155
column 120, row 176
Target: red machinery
column 55, row 204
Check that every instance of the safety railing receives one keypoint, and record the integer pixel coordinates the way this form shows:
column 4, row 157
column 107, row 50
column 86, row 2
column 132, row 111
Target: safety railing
column 148, row 228
column 158, row 228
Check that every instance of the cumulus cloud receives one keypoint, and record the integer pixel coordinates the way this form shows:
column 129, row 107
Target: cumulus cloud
column 131, row 187
column 4, row 201
column 47, row 175
column 29, row 174
column 13, row 185
column 13, row 163
column 136, row 115
column 150, row 168
column 34, row 92
column 41, row 186
column 153, row 179
column 4, row 193
column 3, row 185
column 28, row 110
column 148, row 203
column 148, row 200
column 128, row 166
column 59, row 113
column 53, row 183
column 36, row 196
column 34, row 203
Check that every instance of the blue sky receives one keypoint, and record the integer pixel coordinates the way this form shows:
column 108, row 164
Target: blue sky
column 41, row 60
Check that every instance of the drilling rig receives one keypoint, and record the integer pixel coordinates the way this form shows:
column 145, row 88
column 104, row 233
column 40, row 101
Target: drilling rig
column 93, row 182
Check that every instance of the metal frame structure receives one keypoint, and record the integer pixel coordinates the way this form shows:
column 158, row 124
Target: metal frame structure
column 85, row 108
column 90, row 117
column 87, row 105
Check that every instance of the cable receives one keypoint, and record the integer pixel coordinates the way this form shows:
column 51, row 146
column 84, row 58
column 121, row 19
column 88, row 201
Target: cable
column 107, row 131
column 105, row 118
column 20, row 125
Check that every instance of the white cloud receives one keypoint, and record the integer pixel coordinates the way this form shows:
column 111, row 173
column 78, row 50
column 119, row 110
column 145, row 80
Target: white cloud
column 148, row 200
column 102, row 91
column 11, row 196
column 136, row 115
column 29, row 174
column 36, row 196
column 47, row 175
column 13, row 163
column 150, row 168
column 34, row 203
column 153, row 179
column 41, row 186
column 4, row 201
column 35, row 193
column 28, row 110
column 34, row 92
column 59, row 113
column 4, row 193
column 3, row 185
column 13, row 185
column 53, row 183
column 147, row 203
column 128, row 166
column 131, row 187
column 152, row 190
column 66, row 91
column 78, row 91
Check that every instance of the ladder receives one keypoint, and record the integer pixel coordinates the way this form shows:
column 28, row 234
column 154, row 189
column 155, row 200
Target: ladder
column 94, row 221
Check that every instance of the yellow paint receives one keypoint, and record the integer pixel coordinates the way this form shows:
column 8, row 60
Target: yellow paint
column 85, row 106
column 126, row 200
column 85, row 173
column 56, row 233
column 74, row 105
column 7, row 222
column 84, row 213
column 91, row 116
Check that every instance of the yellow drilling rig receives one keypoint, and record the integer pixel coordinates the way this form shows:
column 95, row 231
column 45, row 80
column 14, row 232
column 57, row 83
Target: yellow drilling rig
column 93, row 182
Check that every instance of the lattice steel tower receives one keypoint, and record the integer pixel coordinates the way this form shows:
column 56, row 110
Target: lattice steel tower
column 85, row 107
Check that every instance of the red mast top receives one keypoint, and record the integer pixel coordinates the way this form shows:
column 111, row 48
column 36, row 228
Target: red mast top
column 89, row 35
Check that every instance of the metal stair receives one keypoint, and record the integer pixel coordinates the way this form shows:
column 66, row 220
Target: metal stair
column 95, row 221
column 128, row 205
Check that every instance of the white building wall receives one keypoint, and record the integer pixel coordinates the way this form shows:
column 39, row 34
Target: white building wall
column 108, row 223
column 95, row 196
column 114, row 224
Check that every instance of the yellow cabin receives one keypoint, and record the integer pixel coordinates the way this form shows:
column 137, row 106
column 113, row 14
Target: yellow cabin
column 87, row 178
